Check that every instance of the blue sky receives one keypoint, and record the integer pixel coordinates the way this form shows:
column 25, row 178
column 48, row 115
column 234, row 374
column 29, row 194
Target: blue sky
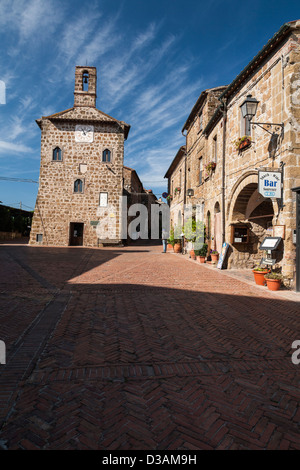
column 153, row 59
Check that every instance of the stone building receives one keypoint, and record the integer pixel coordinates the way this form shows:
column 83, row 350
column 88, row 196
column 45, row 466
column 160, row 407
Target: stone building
column 223, row 167
column 137, row 194
column 81, row 172
column 176, row 187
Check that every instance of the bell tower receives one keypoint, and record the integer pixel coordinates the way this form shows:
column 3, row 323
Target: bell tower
column 85, row 86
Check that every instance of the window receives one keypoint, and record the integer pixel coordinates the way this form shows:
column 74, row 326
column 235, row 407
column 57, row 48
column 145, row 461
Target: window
column 106, row 155
column 245, row 126
column 200, row 170
column 215, row 149
column 200, row 122
column 57, row 154
column 39, row 237
column 78, row 186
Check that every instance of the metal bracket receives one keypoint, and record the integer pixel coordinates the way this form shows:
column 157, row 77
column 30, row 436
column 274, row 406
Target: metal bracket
column 261, row 124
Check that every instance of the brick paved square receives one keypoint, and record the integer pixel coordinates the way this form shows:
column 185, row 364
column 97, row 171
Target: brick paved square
column 132, row 349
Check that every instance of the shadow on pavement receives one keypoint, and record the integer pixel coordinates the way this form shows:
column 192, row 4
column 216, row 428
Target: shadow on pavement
column 130, row 349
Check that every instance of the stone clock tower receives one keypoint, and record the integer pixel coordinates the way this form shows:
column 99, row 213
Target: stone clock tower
column 81, row 172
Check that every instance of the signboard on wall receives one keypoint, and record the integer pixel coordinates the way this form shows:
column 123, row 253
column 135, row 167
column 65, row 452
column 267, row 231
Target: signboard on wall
column 103, row 199
column 269, row 183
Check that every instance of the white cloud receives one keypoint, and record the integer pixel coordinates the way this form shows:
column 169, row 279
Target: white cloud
column 130, row 68
column 76, row 34
column 31, row 17
column 10, row 147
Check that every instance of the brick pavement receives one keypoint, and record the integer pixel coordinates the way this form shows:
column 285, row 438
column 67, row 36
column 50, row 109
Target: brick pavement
column 134, row 349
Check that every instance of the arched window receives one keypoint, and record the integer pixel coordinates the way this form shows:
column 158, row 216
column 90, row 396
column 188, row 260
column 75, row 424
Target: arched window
column 57, row 154
column 78, row 186
column 106, row 155
column 85, row 81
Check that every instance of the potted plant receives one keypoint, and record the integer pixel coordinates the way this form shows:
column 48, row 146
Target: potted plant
column 194, row 232
column 273, row 280
column 171, row 240
column 177, row 246
column 177, row 190
column 209, row 168
column 243, row 142
column 259, row 275
column 175, row 236
column 169, row 198
column 201, row 254
column 214, row 255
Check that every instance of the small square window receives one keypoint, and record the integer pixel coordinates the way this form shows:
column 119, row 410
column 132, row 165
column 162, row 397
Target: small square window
column 39, row 237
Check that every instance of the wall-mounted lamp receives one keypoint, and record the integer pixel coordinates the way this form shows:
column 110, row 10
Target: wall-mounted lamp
column 190, row 192
column 249, row 108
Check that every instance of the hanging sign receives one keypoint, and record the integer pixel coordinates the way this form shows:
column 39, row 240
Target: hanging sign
column 269, row 183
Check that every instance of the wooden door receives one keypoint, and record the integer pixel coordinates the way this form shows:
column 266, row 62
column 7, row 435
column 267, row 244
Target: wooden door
column 76, row 234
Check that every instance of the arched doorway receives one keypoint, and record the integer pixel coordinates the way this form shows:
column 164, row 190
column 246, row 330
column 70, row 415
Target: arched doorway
column 250, row 218
column 217, row 228
column 208, row 230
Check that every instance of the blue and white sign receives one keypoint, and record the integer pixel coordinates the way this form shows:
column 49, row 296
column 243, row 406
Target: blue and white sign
column 269, row 183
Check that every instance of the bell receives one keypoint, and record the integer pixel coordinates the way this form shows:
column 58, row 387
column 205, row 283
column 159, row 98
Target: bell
column 85, row 80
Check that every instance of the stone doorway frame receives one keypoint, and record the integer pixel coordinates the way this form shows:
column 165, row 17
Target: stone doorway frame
column 78, row 239
column 249, row 178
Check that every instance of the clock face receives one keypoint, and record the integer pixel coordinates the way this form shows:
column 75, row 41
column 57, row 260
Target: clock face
column 84, row 133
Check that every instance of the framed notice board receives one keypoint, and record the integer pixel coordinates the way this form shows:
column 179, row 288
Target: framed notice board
column 239, row 233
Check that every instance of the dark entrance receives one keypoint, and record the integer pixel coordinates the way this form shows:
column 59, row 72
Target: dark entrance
column 76, row 234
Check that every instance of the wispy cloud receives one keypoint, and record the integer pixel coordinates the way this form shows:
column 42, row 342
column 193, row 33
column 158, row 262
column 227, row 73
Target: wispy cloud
column 125, row 72
column 30, row 18
column 76, row 34
column 38, row 16
column 16, row 148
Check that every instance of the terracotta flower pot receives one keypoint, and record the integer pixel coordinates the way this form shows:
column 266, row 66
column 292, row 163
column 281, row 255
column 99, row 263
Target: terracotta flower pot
column 259, row 276
column 177, row 248
column 273, row 284
column 245, row 143
column 214, row 257
column 201, row 259
column 192, row 254
column 169, row 247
